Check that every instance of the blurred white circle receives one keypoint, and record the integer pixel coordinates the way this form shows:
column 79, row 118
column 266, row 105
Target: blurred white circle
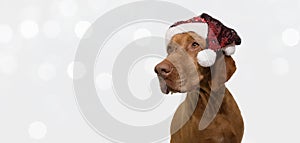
column 290, row 37
column 80, row 70
column 51, row 29
column 68, row 7
column 81, row 28
column 104, row 81
column 29, row 29
column 280, row 66
column 8, row 64
column 141, row 33
column 6, row 33
column 47, row 71
column 37, row 130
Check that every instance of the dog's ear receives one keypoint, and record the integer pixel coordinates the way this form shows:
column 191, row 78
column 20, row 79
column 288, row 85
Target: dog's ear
column 222, row 70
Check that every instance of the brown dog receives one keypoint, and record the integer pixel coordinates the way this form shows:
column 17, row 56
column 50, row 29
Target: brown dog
column 181, row 72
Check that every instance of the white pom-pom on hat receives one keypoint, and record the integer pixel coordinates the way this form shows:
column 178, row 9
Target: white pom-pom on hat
column 207, row 57
column 229, row 50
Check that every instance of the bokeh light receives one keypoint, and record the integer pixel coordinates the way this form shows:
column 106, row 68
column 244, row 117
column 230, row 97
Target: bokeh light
column 290, row 37
column 37, row 130
column 29, row 29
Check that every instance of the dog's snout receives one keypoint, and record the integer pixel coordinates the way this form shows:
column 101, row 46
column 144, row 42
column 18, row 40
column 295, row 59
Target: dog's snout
column 164, row 68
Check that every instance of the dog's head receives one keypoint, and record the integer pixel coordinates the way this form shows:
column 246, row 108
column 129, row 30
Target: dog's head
column 180, row 70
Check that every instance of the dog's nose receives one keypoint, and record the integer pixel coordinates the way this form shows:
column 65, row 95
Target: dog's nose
column 237, row 40
column 164, row 68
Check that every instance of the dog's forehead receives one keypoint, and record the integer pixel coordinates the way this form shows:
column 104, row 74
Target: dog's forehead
column 186, row 37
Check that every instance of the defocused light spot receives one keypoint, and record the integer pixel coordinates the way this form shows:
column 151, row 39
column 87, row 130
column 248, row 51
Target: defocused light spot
column 104, row 81
column 51, row 29
column 142, row 37
column 37, row 130
column 6, row 33
column 141, row 33
column 81, row 28
column 47, row 71
column 280, row 66
column 68, row 7
column 29, row 29
column 290, row 37
column 8, row 64
column 80, row 70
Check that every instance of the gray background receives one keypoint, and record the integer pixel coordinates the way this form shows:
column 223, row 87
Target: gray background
column 38, row 41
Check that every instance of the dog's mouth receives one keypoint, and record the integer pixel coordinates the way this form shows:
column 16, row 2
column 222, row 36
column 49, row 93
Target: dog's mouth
column 163, row 85
column 167, row 85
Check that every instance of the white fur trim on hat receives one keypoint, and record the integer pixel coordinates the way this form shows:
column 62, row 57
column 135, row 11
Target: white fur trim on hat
column 229, row 50
column 199, row 28
column 207, row 57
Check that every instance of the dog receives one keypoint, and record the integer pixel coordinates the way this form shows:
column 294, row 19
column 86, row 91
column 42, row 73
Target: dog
column 181, row 72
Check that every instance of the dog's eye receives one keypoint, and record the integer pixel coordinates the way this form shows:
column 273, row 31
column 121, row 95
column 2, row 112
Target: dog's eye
column 195, row 44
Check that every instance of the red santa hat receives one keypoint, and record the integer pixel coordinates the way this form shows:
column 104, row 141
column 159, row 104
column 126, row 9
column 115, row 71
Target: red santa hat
column 217, row 35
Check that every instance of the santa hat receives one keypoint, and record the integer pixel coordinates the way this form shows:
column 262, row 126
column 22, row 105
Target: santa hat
column 217, row 35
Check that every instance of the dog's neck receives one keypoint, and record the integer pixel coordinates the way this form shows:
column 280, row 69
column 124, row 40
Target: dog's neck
column 198, row 98
column 193, row 107
column 196, row 101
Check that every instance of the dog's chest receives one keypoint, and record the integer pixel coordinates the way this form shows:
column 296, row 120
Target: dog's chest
column 216, row 132
column 185, row 126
